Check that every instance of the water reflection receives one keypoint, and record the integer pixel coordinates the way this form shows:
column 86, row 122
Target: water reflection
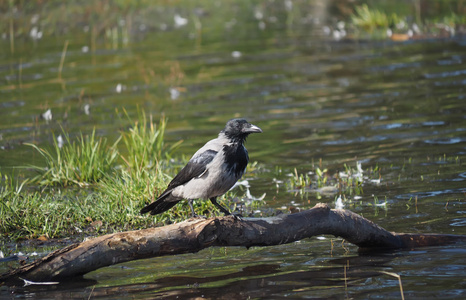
column 299, row 276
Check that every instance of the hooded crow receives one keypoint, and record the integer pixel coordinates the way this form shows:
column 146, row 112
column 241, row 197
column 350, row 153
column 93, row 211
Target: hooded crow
column 212, row 170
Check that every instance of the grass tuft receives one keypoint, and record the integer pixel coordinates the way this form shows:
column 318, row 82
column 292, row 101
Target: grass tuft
column 144, row 144
column 369, row 19
column 376, row 23
column 79, row 162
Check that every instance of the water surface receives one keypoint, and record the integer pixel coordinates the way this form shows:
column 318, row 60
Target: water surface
column 395, row 106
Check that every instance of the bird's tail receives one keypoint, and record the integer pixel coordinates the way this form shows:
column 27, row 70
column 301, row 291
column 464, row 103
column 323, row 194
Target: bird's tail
column 162, row 204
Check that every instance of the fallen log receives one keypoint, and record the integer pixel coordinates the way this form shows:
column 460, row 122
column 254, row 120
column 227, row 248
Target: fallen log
column 194, row 235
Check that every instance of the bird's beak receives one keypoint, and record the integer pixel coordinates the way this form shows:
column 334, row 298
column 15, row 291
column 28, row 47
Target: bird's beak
column 252, row 129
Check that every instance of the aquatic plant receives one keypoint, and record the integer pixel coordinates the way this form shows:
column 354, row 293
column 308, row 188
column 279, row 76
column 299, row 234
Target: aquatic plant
column 319, row 180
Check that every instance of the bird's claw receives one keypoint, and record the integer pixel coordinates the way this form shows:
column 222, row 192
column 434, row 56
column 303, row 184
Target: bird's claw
column 237, row 216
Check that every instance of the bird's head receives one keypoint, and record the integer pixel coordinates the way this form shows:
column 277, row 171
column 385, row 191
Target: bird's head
column 239, row 129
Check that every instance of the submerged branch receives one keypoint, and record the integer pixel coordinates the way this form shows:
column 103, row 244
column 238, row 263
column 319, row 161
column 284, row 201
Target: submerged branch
column 194, row 235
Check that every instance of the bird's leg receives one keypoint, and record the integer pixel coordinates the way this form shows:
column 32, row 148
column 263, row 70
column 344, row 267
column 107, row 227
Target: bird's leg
column 223, row 209
column 190, row 202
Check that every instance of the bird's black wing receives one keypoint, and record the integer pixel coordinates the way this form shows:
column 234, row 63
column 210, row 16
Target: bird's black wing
column 194, row 168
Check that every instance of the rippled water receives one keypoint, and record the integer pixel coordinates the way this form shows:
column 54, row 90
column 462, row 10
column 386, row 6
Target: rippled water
column 398, row 106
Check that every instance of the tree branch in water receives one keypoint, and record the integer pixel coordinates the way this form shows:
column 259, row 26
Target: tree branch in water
column 194, row 235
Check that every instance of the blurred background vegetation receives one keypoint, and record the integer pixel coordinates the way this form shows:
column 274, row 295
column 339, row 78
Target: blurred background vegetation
column 117, row 21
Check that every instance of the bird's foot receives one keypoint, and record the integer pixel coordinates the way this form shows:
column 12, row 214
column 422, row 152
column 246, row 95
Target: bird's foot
column 237, row 216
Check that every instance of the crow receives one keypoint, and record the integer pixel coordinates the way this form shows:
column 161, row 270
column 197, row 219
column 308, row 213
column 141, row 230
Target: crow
column 211, row 171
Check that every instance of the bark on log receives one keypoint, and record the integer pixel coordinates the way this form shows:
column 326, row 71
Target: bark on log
column 194, row 235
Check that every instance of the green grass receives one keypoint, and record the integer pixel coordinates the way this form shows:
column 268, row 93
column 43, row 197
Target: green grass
column 144, row 144
column 31, row 214
column 112, row 206
column 118, row 183
column 373, row 22
column 89, row 159
column 27, row 214
column 370, row 19
column 78, row 162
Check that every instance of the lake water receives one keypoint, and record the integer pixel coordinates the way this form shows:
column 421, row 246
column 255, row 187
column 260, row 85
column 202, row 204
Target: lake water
column 395, row 106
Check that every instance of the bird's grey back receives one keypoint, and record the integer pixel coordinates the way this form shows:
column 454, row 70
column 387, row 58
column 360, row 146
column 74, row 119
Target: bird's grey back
column 220, row 172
